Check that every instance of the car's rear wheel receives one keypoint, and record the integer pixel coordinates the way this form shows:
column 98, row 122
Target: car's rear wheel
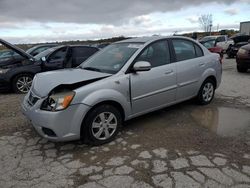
column 241, row 69
column 102, row 124
column 206, row 93
column 22, row 83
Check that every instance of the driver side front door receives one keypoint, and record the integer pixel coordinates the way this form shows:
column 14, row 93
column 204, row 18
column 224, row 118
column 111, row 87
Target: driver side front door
column 153, row 89
column 56, row 60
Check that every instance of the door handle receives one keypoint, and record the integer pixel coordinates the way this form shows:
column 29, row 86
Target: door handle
column 201, row 64
column 169, row 71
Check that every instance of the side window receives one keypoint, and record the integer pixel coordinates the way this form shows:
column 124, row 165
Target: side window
column 184, row 49
column 59, row 54
column 199, row 52
column 39, row 50
column 83, row 51
column 220, row 39
column 157, row 54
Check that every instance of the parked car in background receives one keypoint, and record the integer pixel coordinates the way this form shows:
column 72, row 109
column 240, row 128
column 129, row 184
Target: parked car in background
column 18, row 75
column 211, row 46
column 221, row 41
column 239, row 41
column 7, row 53
column 243, row 58
column 32, row 51
column 39, row 48
column 124, row 80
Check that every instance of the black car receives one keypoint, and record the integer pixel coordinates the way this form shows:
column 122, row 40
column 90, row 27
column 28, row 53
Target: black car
column 39, row 48
column 18, row 75
column 239, row 41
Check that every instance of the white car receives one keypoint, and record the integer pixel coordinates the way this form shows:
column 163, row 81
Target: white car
column 221, row 41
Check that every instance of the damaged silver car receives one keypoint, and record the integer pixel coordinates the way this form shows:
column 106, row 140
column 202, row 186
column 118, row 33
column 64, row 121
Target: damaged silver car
column 124, row 80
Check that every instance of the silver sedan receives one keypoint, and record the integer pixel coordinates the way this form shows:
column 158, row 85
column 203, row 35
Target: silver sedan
column 124, row 80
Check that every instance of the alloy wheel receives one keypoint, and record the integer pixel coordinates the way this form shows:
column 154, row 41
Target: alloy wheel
column 104, row 125
column 24, row 83
column 208, row 92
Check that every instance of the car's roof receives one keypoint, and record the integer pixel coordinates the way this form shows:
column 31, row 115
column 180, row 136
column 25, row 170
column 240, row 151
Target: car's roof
column 149, row 39
column 77, row 45
column 41, row 45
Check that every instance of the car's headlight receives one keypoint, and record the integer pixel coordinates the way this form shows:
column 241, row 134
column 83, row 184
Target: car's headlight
column 58, row 100
column 3, row 71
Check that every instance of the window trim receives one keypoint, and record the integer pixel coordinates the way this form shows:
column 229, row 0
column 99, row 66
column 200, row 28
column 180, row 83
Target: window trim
column 130, row 70
column 196, row 50
column 183, row 39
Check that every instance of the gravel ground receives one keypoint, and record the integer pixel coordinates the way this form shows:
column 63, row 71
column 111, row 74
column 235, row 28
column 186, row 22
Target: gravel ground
column 181, row 146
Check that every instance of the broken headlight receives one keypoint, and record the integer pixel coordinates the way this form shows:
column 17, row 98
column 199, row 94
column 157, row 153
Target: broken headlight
column 59, row 100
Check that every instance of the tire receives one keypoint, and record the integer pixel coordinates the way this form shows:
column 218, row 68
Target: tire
column 241, row 69
column 229, row 55
column 206, row 92
column 22, row 83
column 98, row 129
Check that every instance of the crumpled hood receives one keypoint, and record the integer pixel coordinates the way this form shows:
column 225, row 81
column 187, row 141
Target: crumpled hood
column 43, row 83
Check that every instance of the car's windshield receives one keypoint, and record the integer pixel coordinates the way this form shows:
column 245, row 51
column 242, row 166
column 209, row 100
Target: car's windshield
column 31, row 49
column 7, row 54
column 112, row 58
column 44, row 53
column 209, row 44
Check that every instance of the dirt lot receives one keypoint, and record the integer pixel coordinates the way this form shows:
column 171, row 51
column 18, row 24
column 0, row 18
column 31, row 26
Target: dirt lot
column 182, row 146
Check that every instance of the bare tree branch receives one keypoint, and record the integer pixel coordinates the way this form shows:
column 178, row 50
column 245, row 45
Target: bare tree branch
column 206, row 22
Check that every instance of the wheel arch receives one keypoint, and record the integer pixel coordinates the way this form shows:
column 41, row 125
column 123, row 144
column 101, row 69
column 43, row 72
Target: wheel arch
column 114, row 103
column 213, row 78
column 21, row 73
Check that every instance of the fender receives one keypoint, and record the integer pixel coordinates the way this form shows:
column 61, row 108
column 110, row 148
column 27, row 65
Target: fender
column 103, row 95
column 208, row 72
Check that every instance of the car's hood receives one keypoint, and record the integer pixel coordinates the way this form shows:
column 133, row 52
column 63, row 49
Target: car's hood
column 16, row 49
column 43, row 83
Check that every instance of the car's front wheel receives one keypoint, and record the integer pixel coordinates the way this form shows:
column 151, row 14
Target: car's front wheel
column 102, row 124
column 206, row 93
column 22, row 83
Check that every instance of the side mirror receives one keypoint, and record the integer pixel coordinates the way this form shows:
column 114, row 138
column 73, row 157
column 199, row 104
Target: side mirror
column 142, row 66
column 43, row 59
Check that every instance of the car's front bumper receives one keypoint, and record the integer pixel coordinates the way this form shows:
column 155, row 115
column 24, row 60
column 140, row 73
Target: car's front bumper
column 65, row 124
column 4, row 85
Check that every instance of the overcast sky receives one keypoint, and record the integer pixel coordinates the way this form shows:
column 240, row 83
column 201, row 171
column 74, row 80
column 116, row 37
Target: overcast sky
column 28, row 21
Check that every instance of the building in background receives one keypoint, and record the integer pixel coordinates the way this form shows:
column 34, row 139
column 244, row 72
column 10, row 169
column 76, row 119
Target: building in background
column 245, row 28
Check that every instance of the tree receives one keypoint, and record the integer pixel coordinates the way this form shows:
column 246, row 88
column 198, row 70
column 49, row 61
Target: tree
column 206, row 22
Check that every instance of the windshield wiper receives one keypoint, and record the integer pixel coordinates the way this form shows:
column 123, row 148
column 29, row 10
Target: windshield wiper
column 92, row 69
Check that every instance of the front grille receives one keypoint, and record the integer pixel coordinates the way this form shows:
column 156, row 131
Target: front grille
column 32, row 99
